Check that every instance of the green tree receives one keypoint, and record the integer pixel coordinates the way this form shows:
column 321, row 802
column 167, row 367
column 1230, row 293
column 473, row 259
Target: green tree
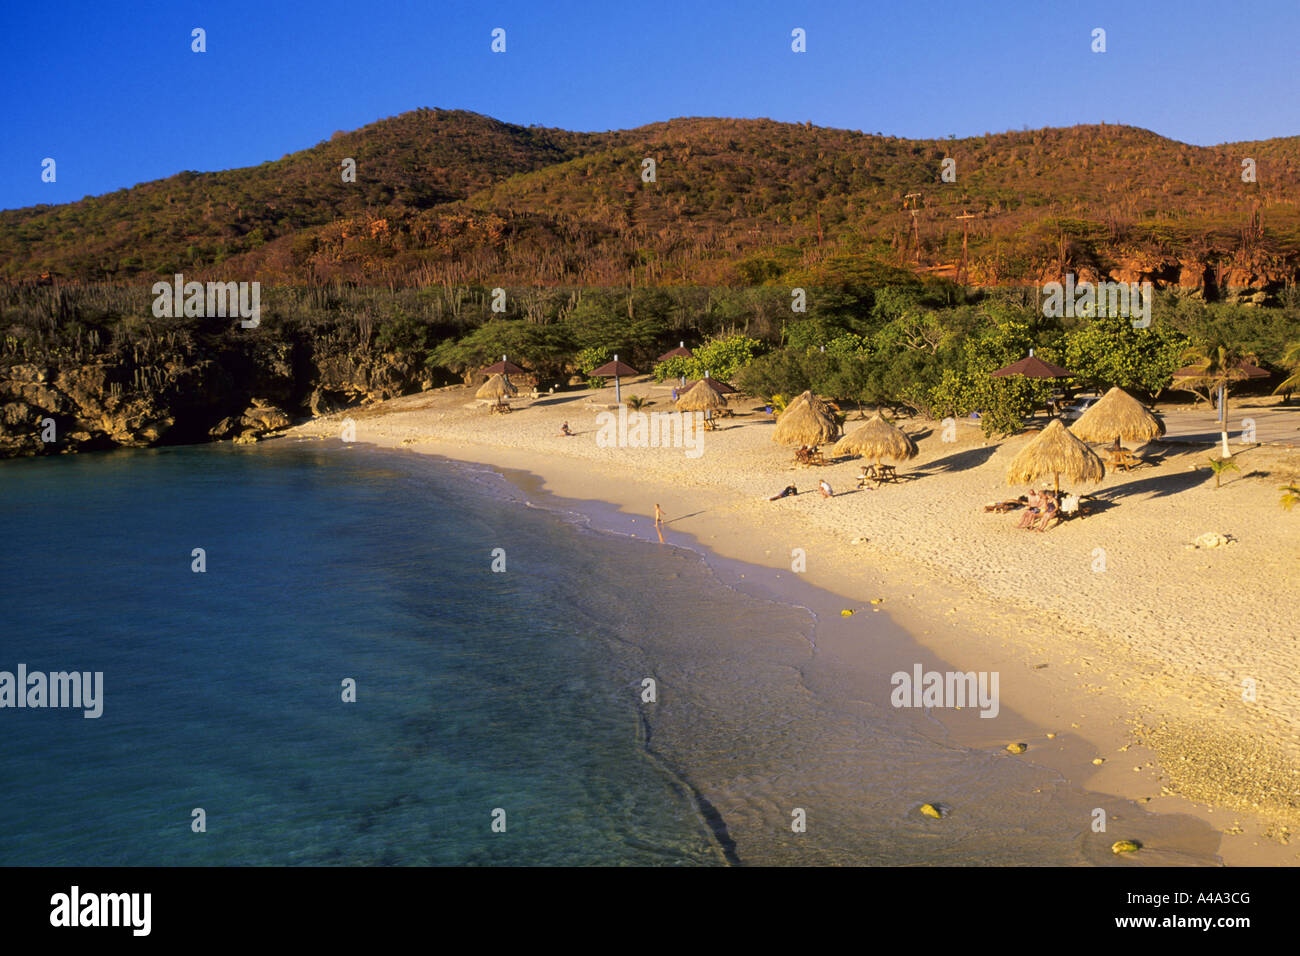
column 1003, row 403
column 722, row 357
column 1290, row 361
column 1109, row 351
column 593, row 357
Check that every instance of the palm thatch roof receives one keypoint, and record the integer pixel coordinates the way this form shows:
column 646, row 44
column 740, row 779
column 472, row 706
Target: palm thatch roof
column 877, row 440
column 806, row 398
column 1118, row 416
column 806, row 421
column 716, row 384
column 701, row 398
column 1055, row 452
column 496, row 389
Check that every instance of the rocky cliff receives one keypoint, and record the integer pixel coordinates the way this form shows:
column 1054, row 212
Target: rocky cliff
column 179, row 393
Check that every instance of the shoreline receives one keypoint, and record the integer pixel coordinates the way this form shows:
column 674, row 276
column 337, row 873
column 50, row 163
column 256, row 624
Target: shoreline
column 1047, row 677
column 836, row 664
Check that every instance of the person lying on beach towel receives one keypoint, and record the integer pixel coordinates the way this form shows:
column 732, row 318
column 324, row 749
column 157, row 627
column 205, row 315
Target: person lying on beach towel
column 789, row 490
column 1002, row 507
column 825, row 487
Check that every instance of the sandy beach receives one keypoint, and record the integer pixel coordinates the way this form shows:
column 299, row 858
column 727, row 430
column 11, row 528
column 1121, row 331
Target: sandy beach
column 1117, row 638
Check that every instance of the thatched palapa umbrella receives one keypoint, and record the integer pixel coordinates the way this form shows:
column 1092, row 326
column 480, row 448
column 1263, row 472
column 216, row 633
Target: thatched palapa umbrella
column 1120, row 416
column 719, row 386
column 496, row 389
column 877, row 440
column 1055, row 452
column 806, row 421
column 701, row 398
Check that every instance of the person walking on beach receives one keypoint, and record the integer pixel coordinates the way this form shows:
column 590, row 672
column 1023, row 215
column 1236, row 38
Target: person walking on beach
column 826, row 489
column 659, row 516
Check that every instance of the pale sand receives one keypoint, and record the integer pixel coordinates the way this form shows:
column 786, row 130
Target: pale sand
column 1145, row 660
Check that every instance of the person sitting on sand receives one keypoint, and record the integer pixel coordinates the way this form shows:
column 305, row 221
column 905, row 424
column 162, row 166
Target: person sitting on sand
column 1032, row 510
column 825, row 487
column 1051, row 510
column 789, row 490
column 564, row 429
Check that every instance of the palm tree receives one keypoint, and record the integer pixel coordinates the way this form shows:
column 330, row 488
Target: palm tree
column 1217, row 363
column 1292, row 361
column 1219, row 466
column 637, row 402
column 1290, row 495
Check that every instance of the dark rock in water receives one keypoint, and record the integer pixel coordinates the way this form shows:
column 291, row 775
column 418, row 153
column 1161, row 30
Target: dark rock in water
column 226, row 428
column 266, row 418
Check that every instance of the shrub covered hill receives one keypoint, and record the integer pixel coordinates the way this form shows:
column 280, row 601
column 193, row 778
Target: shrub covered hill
column 451, row 197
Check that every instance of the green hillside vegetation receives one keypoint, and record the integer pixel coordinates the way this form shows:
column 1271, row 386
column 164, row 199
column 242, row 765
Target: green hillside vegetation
column 452, row 198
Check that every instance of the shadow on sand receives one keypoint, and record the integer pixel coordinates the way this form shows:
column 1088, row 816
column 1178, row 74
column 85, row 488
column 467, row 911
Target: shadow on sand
column 971, row 458
column 558, row 399
column 1157, row 486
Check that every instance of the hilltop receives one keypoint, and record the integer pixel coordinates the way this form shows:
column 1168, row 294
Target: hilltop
column 452, row 197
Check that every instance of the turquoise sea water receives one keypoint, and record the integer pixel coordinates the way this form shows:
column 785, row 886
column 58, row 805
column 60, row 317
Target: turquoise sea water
column 476, row 691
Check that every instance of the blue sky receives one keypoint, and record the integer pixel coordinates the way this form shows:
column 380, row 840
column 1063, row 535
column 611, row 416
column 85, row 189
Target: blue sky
column 113, row 93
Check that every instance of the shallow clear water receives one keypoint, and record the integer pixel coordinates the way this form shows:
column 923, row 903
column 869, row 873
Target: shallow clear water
column 476, row 691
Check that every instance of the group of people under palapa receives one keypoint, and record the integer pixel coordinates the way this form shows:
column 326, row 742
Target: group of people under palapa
column 1042, row 509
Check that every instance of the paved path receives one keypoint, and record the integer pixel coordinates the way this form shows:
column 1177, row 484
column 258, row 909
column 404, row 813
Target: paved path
column 1274, row 423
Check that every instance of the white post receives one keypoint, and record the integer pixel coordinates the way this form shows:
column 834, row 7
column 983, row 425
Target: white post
column 1223, row 420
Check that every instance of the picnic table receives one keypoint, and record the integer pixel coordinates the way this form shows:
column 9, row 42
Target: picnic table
column 877, row 473
column 809, row 456
column 1124, row 459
